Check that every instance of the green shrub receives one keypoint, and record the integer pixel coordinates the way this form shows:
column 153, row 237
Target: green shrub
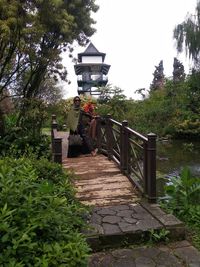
column 183, row 191
column 16, row 143
column 40, row 220
column 184, row 201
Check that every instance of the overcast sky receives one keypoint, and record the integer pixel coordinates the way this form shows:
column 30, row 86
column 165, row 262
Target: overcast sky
column 135, row 35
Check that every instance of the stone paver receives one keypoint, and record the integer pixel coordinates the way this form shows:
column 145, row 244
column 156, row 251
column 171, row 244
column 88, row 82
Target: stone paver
column 129, row 223
column 179, row 254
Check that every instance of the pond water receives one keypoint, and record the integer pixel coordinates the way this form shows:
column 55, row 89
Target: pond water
column 173, row 155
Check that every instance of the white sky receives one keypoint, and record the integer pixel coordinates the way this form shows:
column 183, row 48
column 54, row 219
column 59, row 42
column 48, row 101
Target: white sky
column 135, row 35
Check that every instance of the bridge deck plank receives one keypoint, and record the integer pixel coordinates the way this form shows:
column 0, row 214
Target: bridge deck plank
column 99, row 181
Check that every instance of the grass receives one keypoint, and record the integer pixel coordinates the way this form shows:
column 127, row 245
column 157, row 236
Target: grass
column 46, row 131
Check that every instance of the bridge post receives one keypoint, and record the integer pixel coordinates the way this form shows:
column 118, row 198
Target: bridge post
column 124, row 147
column 57, row 150
column 145, row 168
column 151, row 167
column 56, row 143
column 54, row 124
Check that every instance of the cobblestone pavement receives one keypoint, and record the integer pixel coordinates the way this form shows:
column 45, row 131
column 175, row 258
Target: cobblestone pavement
column 130, row 223
column 178, row 254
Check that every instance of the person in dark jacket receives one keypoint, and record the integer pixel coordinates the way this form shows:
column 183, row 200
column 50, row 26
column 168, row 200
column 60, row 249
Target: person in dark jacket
column 77, row 122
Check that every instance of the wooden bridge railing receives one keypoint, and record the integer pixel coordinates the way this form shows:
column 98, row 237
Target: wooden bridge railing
column 56, row 141
column 134, row 153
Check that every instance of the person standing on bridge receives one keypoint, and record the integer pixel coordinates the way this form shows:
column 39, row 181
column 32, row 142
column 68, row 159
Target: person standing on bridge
column 77, row 122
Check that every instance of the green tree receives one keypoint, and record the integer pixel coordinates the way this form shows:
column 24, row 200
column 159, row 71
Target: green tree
column 141, row 91
column 158, row 77
column 50, row 91
column 33, row 35
column 194, row 92
column 178, row 71
column 112, row 101
column 187, row 35
column 105, row 93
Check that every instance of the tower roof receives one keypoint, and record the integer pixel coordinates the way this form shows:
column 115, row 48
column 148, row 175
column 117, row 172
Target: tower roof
column 91, row 51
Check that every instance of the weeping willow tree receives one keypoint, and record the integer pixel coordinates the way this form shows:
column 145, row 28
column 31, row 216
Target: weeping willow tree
column 187, row 35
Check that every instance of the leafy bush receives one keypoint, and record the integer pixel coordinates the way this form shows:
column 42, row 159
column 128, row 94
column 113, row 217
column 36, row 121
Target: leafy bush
column 40, row 220
column 184, row 201
column 183, row 191
column 16, row 143
column 160, row 235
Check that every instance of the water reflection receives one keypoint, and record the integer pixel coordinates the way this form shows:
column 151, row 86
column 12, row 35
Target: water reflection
column 172, row 156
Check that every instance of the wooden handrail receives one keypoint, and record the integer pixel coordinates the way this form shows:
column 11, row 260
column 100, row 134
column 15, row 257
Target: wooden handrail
column 142, row 137
column 134, row 153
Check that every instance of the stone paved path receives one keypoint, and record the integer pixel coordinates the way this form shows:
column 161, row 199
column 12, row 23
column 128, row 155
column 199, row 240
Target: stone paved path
column 178, row 254
column 118, row 217
column 113, row 226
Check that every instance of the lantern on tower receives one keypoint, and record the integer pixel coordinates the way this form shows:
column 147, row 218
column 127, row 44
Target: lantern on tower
column 91, row 71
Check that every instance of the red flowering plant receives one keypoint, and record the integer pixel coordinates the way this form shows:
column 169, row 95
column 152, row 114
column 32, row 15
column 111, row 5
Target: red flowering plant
column 89, row 106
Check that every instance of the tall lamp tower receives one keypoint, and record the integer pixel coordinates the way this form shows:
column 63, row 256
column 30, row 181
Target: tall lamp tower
column 91, row 71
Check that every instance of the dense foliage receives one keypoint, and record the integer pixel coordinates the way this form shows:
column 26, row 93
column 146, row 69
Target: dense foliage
column 174, row 110
column 171, row 111
column 18, row 141
column 40, row 219
column 33, row 36
column 184, row 201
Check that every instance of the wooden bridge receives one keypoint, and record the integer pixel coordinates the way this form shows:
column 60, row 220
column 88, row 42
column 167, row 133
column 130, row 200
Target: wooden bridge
column 100, row 181
column 126, row 158
column 119, row 183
